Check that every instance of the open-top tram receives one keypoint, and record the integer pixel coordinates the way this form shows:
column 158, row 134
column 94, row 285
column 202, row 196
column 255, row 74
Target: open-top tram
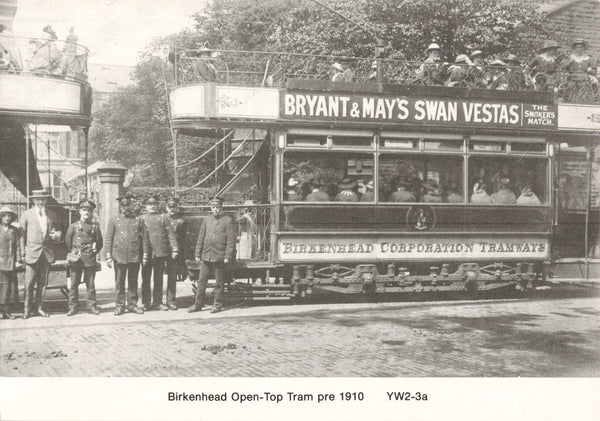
column 375, row 188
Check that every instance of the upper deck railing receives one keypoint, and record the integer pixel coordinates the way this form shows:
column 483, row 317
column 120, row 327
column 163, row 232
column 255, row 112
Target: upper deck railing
column 273, row 69
column 43, row 57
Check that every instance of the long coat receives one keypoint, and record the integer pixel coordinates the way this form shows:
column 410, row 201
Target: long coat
column 124, row 239
column 216, row 240
column 9, row 248
column 158, row 239
column 81, row 237
column 33, row 241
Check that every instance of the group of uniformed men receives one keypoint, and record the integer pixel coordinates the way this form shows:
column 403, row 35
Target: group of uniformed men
column 153, row 241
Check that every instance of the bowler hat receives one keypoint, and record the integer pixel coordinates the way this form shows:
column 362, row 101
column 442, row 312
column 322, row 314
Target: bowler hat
column 347, row 183
column 85, row 203
column 432, row 46
column 7, row 209
column 550, row 45
column 39, row 194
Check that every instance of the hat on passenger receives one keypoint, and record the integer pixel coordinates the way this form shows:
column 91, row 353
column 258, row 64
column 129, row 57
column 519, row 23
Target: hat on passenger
column 432, row 46
column 87, row 204
column 550, row 45
column 7, row 209
column 216, row 201
column 512, row 59
column 462, row 58
column 337, row 66
column 476, row 53
column 497, row 62
column 39, row 194
column 370, row 185
column 347, row 183
column 126, row 196
column 579, row 41
column 504, row 181
column 292, row 182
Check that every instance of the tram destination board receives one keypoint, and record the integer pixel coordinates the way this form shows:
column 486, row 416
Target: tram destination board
column 415, row 110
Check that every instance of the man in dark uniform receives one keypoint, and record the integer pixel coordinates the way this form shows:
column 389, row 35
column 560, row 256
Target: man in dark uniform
column 84, row 239
column 124, row 247
column 214, row 250
column 175, row 266
column 159, row 242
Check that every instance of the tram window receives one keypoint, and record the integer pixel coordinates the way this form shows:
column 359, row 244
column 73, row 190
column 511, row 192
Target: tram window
column 397, row 143
column 522, row 147
column 450, row 145
column 428, row 178
column 306, row 140
column 353, row 141
column 487, row 147
column 321, row 177
column 508, row 180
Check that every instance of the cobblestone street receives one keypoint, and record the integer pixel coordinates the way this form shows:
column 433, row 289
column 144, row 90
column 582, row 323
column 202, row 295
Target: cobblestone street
column 548, row 338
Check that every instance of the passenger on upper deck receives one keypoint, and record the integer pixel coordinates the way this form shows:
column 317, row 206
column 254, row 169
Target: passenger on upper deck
column 9, row 50
column 432, row 192
column 545, row 64
column 499, row 79
column 479, row 194
column 316, row 195
column 337, row 72
column 527, row 196
column 204, row 68
column 428, row 72
column 402, row 194
column 477, row 74
column 458, row 71
column 46, row 56
column 579, row 64
column 504, row 196
column 347, row 193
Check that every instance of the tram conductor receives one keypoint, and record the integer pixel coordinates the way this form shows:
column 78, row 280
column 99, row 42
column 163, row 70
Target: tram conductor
column 214, row 250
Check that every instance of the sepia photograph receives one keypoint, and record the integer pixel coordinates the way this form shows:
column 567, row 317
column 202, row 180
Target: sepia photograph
column 292, row 209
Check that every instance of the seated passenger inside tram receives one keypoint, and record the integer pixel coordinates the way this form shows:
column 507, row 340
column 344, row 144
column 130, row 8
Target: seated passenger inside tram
column 368, row 195
column 504, row 196
column 347, row 193
column 291, row 191
column 432, row 192
column 452, row 193
column 479, row 194
column 402, row 193
column 527, row 197
column 317, row 194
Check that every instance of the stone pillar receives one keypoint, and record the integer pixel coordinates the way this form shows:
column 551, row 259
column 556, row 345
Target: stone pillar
column 111, row 175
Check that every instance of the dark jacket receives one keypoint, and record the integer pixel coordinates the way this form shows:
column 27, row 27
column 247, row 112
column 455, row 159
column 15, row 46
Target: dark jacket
column 124, row 239
column 158, row 239
column 33, row 242
column 216, row 240
column 81, row 237
column 10, row 249
column 177, row 227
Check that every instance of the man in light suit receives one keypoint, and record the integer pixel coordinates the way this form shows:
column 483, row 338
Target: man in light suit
column 38, row 232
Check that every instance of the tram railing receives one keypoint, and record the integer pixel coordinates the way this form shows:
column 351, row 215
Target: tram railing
column 274, row 69
column 43, row 57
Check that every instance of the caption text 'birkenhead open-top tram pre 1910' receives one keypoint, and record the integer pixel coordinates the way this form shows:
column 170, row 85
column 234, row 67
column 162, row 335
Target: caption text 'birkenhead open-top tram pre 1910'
column 387, row 184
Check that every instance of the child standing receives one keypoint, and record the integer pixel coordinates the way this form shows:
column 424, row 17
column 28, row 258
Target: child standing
column 9, row 256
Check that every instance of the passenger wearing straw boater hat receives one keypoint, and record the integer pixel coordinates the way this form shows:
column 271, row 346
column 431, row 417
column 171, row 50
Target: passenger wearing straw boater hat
column 214, row 250
column 124, row 250
column 347, row 193
column 10, row 255
column 39, row 232
column 84, row 241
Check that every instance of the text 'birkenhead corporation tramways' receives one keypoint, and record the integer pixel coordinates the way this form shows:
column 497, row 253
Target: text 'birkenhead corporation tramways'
column 417, row 110
column 386, row 249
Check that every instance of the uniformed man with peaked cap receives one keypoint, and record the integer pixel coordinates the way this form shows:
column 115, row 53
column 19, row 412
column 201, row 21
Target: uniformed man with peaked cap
column 84, row 239
column 175, row 266
column 158, row 243
column 124, row 250
column 214, row 250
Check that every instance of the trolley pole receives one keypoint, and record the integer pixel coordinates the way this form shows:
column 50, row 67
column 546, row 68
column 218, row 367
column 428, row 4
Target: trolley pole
column 175, row 171
column 85, row 133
